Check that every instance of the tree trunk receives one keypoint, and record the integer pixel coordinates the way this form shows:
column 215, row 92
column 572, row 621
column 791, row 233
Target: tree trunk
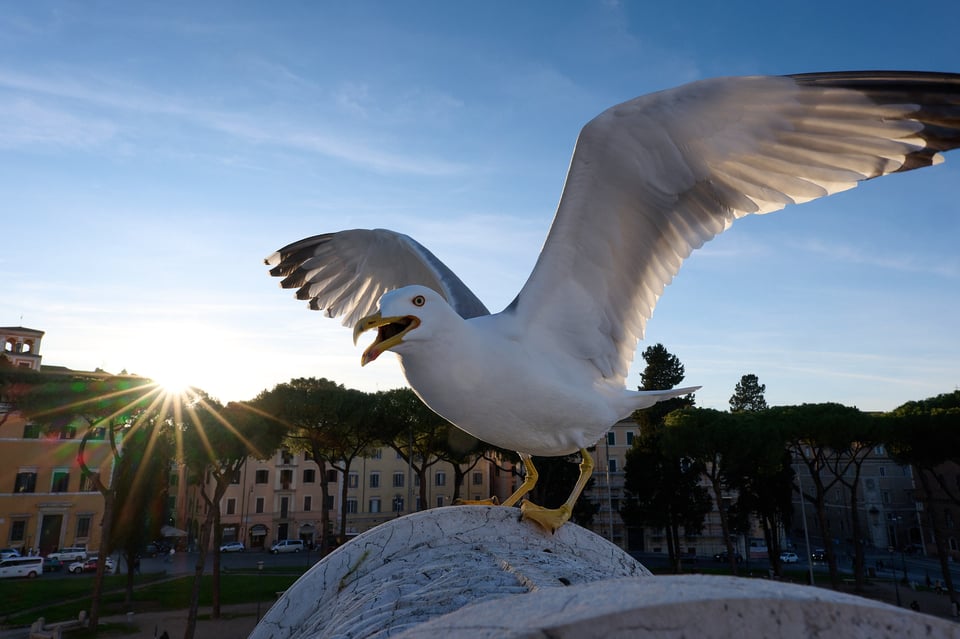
column 205, row 527
column 858, row 558
column 324, row 498
column 938, row 536
column 344, row 491
column 724, row 521
column 105, row 527
column 217, row 542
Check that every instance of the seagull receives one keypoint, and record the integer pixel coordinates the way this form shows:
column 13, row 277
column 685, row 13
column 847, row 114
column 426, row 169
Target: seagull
column 650, row 180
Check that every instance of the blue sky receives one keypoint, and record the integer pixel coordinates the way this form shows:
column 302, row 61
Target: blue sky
column 152, row 154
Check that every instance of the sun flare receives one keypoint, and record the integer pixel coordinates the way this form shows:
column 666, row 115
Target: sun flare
column 172, row 382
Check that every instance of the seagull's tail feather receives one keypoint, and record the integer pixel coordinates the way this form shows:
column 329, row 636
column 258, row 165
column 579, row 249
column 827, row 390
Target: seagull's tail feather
column 647, row 398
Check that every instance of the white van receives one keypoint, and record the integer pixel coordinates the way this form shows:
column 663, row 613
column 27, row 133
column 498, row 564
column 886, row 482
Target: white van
column 287, row 545
column 66, row 555
column 21, row 567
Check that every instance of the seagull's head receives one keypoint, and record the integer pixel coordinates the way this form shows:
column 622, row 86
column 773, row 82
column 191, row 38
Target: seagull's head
column 404, row 317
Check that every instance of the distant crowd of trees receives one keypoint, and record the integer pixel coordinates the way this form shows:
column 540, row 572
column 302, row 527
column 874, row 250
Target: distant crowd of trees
column 748, row 451
column 687, row 459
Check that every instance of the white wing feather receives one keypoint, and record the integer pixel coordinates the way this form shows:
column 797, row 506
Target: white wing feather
column 654, row 178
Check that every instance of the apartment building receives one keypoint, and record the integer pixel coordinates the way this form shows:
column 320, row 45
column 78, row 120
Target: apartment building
column 281, row 498
column 45, row 502
column 888, row 509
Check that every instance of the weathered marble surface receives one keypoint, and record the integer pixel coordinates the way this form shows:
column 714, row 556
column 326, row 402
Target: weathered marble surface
column 431, row 563
column 696, row 606
column 477, row 572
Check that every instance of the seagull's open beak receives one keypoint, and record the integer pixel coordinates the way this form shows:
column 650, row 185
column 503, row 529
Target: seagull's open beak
column 390, row 332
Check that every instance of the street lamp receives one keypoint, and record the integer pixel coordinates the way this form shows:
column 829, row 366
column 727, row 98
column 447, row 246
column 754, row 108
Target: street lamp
column 259, row 592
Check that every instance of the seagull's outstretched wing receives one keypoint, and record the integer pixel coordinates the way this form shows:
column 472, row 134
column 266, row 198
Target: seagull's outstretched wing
column 654, row 178
column 345, row 273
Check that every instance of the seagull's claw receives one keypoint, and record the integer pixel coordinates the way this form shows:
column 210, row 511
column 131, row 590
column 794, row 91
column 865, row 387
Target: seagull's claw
column 550, row 519
column 490, row 501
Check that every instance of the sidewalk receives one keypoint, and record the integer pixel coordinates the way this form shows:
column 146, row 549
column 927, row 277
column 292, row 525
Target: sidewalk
column 236, row 622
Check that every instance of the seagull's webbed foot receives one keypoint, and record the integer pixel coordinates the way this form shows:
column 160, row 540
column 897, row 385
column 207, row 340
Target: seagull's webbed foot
column 552, row 518
column 549, row 518
column 490, row 501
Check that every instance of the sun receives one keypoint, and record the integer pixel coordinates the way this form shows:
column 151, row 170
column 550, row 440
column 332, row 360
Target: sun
column 173, row 381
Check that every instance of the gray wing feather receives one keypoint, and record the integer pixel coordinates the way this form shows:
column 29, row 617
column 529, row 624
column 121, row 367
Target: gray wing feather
column 345, row 273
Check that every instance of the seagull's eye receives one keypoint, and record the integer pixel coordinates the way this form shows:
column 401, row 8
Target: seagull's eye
column 419, row 300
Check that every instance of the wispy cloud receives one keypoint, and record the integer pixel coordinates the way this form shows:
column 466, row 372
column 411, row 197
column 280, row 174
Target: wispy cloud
column 258, row 129
column 23, row 122
column 897, row 262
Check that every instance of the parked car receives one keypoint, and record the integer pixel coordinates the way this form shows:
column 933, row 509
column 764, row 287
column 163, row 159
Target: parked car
column 71, row 554
column 287, row 545
column 90, row 565
column 818, row 554
column 52, row 564
column 233, row 546
column 6, row 553
column 722, row 556
column 156, row 548
column 789, row 557
column 29, row 567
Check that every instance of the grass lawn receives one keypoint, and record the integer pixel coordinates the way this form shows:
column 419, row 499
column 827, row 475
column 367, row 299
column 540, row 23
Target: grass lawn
column 22, row 601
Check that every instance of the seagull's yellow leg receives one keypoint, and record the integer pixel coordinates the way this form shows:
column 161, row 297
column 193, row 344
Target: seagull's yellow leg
column 529, row 480
column 553, row 518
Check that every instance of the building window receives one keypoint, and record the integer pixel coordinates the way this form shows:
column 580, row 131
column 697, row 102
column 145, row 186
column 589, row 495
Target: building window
column 286, row 457
column 332, row 476
column 612, row 465
column 307, row 503
column 882, row 471
column 441, row 478
column 259, row 506
column 439, row 501
column 284, row 508
column 353, row 480
column 286, row 478
column 611, row 438
column 83, row 526
column 262, row 477
column 398, row 480
column 18, row 529
column 374, row 505
column 231, row 506
column 879, row 450
column 374, row 480
column 329, row 502
column 61, row 481
column 629, row 438
column 376, row 453
column 309, row 475
column 477, row 479
column 26, row 482
column 31, row 431
column 351, row 505
column 885, row 496
column 398, row 504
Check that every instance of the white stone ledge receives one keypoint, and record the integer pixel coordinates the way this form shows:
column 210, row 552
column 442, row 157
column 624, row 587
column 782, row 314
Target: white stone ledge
column 479, row 572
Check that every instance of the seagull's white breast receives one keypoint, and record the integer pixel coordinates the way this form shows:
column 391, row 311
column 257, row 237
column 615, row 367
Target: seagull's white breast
column 511, row 393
